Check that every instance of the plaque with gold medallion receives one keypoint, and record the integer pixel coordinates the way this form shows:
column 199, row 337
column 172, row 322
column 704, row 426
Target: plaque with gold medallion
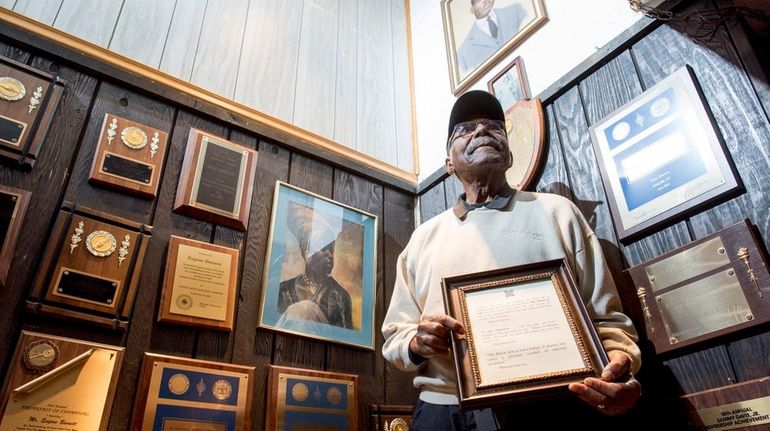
column 13, row 208
column 91, row 267
column 390, row 417
column 59, row 383
column 28, row 100
column 129, row 156
column 309, row 399
column 185, row 394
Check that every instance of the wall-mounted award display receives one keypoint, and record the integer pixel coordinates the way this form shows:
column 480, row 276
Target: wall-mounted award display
column 91, row 267
column 217, row 181
column 300, row 399
column 199, row 285
column 129, row 156
column 188, row 394
column 57, row 383
column 743, row 405
column 386, row 417
column 706, row 289
column 13, row 206
column 28, row 100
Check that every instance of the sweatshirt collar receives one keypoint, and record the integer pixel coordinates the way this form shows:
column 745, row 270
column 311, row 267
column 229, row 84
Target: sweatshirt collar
column 499, row 202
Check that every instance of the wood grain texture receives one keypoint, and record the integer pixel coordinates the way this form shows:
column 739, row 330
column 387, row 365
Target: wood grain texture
column 749, row 356
column 553, row 178
column 182, row 39
column 267, row 75
column 402, row 97
column 345, row 108
column 698, row 371
column 90, row 21
column 316, row 71
column 8, row 49
column 432, row 202
column 221, row 39
column 142, row 29
column 44, row 11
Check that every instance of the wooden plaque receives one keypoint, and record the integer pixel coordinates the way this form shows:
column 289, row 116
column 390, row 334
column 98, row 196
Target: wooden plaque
column 91, row 267
column 217, row 181
column 60, row 383
column 386, row 417
column 129, row 156
column 28, row 101
column 200, row 284
column 706, row 289
column 13, row 206
column 743, row 405
column 189, row 394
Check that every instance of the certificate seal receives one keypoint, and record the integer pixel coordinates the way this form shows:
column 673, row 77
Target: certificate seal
column 300, row 392
column 222, row 390
column 11, row 89
column 133, row 137
column 334, row 395
column 184, row 301
column 398, row 424
column 178, row 384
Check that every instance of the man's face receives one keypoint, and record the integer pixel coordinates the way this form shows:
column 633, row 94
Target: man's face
column 482, row 8
column 477, row 147
column 322, row 262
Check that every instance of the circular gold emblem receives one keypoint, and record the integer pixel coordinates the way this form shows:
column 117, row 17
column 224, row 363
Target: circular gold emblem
column 300, row 392
column 178, row 384
column 398, row 424
column 334, row 395
column 40, row 356
column 11, row 89
column 133, row 137
column 184, row 301
column 222, row 390
column 101, row 243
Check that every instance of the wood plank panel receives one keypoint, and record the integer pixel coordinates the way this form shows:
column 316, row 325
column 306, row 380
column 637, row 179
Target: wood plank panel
column 432, row 202
column 13, row 52
column 316, row 72
column 453, row 188
column 554, row 177
column 216, row 61
column 88, row 20
column 376, row 121
column 8, row 4
column 44, row 11
column 749, row 356
column 402, row 103
column 142, row 30
column 182, row 39
column 267, row 75
column 698, row 371
column 345, row 108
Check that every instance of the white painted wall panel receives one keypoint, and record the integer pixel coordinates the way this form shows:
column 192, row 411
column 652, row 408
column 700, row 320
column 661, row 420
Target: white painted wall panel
column 44, row 11
column 182, row 40
column 345, row 112
column 142, row 29
column 401, row 86
column 8, row 4
column 89, row 20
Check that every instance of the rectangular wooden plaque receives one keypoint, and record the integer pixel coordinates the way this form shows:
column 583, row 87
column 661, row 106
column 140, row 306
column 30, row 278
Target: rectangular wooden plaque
column 13, row 207
column 743, row 405
column 385, row 417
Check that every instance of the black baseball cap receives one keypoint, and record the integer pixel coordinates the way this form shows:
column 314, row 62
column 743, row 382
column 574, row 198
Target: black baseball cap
column 474, row 104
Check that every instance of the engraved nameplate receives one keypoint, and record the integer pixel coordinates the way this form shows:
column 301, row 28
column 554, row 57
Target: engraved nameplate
column 687, row 264
column 11, row 131
column 86, row 287
column 7, row 210
column 127, row 169
column 219, row 177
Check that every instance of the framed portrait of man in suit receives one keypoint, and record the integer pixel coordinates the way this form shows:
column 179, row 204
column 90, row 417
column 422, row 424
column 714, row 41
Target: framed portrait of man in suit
column 478, row 33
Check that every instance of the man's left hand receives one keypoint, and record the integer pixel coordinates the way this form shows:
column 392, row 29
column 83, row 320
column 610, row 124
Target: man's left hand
column 616, row 392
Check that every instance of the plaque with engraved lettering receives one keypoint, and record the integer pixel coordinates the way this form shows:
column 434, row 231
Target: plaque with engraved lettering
column 217, row 181
column 744, row 405
column 13, row 207
column 129, row 156
column 706, row 289
column 91, row 267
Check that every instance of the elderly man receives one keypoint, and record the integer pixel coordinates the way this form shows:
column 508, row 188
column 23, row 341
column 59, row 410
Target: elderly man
column 492, row 29
column 494, row 226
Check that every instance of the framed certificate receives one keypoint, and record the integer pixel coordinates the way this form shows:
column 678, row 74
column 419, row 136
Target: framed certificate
column 188, row 394
column 527, row 336
column 661, row 157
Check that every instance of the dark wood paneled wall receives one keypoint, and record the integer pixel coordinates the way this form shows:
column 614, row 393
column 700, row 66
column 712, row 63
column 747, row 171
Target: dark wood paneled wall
column 62, row 174
column 570, row 169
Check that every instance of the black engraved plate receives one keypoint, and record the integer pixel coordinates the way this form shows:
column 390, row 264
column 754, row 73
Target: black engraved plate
column 11, row 131
column 127, row 168
column 219, row 181
column 7, row 208
column 87, row 287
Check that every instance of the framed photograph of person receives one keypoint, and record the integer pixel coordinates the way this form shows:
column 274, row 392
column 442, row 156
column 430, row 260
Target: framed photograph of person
column 661, row 158
column 320, row 269
column 510, row 85
column 479, row 33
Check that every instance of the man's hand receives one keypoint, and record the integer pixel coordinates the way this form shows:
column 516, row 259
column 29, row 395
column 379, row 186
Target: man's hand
column 616, row 392
column 433, row 333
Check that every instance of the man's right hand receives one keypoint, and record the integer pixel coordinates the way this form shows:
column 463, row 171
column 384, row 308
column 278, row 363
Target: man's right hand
column 433, row 333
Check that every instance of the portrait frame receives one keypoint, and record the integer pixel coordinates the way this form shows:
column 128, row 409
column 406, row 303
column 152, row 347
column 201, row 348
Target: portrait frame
column 458, row 22
column 510, row 84
column 546, row 301
column 316, row 222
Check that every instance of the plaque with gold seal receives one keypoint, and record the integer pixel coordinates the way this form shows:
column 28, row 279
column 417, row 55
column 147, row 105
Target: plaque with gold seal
column 28, row 100
column 129, row 156
column 91, row 267
column 187, row 394
column 57, row 383
column 13, row 207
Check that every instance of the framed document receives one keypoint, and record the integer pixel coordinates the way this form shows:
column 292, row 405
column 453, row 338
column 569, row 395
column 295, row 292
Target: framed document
column 129, row 156
column 311, row 400
column 200, row 284
column 217, row 181
column 707, row 289
column 510, row 84
column 744, row 405
column 525, row 125
column 661, row 157
column 13, row 207
column 28, row 100
column 91, row 267
column 320, row 278
column 188, row 394
column 528, row 334
column 61, row 384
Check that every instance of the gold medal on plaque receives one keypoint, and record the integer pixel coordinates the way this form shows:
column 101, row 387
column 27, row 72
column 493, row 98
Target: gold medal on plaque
column 222, row 390
column 398, row 424
column 101, row 243
column 11, row 89
column 134, row 138
column 40, row 356
column 300, row 392
column 178, row 384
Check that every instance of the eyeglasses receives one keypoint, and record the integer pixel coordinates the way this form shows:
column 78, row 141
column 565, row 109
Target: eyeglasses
column 467, row 128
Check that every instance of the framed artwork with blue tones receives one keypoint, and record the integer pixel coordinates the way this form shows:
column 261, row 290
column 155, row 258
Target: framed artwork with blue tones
column 181, row 393
column 320, row 269
column 300, row 399
column 661, row 157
